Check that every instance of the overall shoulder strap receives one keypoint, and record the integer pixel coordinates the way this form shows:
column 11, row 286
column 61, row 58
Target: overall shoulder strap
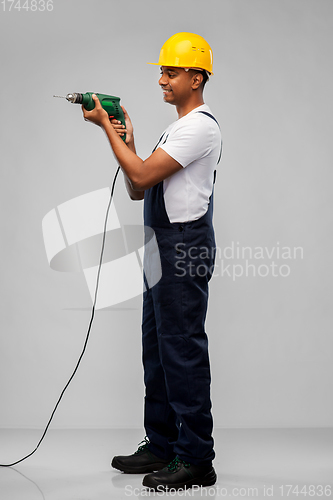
column 160, row 141
column 215, row 120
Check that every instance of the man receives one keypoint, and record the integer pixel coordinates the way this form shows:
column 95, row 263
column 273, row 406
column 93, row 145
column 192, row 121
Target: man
column 176, row 183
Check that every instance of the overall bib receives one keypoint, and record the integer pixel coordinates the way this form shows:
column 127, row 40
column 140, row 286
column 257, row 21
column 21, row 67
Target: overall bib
column 177, row 406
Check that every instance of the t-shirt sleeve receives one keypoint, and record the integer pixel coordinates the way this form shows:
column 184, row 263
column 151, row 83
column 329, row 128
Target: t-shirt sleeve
column 189, row 141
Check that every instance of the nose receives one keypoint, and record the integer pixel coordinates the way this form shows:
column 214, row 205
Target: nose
column 163, row 80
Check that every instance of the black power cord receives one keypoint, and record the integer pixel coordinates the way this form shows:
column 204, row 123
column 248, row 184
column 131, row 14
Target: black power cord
column 87, row 336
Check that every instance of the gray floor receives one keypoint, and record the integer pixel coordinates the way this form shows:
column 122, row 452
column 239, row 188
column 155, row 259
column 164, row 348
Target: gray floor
column 250, row 463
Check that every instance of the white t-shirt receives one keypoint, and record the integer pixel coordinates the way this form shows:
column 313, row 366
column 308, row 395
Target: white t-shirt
column 194, row 141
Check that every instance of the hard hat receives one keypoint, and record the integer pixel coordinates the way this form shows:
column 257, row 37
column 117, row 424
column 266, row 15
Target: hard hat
column 186, row 50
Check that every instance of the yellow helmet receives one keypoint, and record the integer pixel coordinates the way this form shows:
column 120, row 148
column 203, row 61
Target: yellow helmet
column 186, row 50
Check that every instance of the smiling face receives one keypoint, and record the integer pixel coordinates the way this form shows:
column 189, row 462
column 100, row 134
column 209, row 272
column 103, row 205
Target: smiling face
column 178, row 85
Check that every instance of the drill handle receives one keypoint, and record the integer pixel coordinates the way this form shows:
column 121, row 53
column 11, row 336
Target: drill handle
column 110, row 103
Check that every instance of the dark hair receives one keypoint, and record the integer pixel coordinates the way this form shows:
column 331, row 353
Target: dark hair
column 205, row 78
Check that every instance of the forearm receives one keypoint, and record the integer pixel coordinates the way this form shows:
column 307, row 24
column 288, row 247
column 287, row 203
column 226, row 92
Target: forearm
column 126, row 156
column 134, row 195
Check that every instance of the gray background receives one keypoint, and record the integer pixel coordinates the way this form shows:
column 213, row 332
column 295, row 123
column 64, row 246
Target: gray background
column 270, row 338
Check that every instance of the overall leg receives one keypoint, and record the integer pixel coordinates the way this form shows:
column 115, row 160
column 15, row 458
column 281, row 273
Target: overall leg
column 159, row 418
column 184, row 355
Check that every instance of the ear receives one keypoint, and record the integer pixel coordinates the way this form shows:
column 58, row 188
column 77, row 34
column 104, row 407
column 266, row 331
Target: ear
column 197, row 80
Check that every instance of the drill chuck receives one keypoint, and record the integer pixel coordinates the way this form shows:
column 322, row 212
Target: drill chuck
column 75, row 98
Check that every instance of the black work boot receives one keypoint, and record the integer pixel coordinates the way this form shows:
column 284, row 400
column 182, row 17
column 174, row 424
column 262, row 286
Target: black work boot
column 180, row 475
column 140, row 462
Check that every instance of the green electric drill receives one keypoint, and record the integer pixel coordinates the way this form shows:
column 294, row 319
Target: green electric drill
column 110, row 103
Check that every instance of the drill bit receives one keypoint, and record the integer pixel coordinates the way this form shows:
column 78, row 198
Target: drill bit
column 61, row 96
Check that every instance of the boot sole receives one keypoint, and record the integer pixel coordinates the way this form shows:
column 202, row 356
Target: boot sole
column 143, row 469
column 207, row 480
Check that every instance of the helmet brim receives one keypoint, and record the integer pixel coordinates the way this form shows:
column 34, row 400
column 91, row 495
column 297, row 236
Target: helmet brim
column 199, row 69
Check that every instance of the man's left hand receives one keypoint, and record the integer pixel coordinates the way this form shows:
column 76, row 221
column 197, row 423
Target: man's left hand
column 98, row 115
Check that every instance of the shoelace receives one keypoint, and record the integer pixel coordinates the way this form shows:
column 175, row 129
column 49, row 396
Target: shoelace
column 144, row 446
column 173, row 465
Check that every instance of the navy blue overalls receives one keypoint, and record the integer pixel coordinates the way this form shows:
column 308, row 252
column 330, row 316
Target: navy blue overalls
column 177, row 415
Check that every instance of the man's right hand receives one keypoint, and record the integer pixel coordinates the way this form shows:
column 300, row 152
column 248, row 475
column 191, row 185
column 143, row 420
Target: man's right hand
column 121, row 130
